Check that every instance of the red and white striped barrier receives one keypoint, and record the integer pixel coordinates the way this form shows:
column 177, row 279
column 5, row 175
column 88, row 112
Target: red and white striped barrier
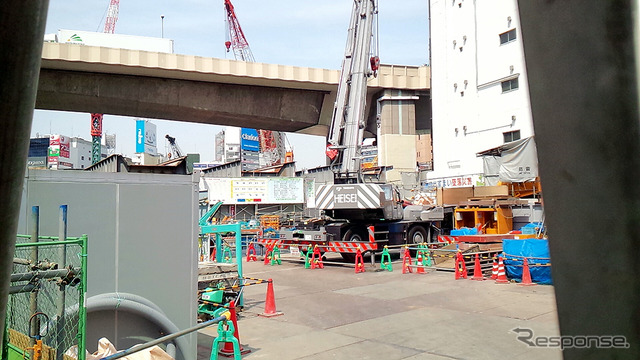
column 349, row 247
column 448, row 239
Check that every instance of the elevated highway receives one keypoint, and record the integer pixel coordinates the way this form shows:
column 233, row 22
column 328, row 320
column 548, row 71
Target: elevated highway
column 82, row 78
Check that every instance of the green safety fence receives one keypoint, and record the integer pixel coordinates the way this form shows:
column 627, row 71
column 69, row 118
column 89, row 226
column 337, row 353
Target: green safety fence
column 46, row 299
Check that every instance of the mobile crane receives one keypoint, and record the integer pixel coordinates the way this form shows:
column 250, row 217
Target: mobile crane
column 359, row 214
column 175, row 151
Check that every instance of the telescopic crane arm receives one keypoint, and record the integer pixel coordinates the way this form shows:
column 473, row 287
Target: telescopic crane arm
column 349, row 114
column 175, row 152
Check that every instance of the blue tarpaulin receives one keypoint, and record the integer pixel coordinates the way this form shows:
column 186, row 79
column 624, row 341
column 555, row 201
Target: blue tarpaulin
column 537, row 253
column 464, row 231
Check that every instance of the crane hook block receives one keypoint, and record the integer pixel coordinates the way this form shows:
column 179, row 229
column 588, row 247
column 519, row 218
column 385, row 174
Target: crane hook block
column 375, row 63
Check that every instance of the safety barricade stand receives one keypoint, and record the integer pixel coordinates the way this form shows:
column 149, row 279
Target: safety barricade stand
column 268, row 253
column 385, row 259
column 251, row 253
column 307, row 257
column 232, row 346
column 406, row 261
column 226, row 254
column 460, row 266
column 359, row 262
column 423, row 260
column 316, row 258
column 275, row 255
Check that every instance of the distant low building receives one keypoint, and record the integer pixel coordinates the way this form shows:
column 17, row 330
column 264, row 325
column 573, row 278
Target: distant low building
column 60, row 152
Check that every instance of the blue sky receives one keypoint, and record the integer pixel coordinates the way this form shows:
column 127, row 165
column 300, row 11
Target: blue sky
column 288, row 32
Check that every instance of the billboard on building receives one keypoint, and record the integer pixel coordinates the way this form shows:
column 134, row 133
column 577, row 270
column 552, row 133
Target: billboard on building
column 58, row 154
column 249, row 140
column 249, row 149
column 37, row 162
column 146, row 140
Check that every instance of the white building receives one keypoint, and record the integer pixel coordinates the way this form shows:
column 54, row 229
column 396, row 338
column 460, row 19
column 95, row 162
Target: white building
column 80, row 153
column 67, row 153
column 479, row 85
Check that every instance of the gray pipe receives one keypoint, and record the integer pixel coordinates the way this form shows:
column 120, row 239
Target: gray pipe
column 140, row 306
column 130, row 297
column 47, row 274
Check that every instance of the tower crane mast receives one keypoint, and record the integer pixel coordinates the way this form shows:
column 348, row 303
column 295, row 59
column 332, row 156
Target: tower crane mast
column 96, row 119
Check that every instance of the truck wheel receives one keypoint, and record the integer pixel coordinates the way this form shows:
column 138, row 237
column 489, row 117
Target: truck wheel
column 352, row 234
column 417, row 235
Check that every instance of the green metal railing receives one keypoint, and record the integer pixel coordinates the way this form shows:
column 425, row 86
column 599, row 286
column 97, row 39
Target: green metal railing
column 47, row 295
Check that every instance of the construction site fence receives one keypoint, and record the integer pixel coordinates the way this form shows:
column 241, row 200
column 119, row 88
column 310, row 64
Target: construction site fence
column 468, row 256
column 46, row 298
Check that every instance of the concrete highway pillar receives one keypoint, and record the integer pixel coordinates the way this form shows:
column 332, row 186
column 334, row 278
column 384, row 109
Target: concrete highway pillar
column 22, row 26
column 581, row 65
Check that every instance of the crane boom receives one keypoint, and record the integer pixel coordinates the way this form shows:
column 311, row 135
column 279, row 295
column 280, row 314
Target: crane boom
column 348, row 121
column 271, row 142
column 175, row 149
column 112, row 17
column 235, row 35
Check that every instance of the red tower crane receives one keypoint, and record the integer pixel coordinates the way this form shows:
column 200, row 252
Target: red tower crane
column 271, row 142
column 235, row 37
column 96, row 119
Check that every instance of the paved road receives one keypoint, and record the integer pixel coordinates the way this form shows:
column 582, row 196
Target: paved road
column 333, row 313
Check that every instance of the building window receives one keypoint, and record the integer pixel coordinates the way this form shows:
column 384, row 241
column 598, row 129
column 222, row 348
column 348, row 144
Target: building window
column 509, row 85
column 82, row 157
column 508, row 36
column 511, row 136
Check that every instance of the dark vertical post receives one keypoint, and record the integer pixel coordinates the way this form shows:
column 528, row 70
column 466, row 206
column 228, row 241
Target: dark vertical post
column 33, row 295
column 584, row 99
column 21, row 35
column 61, row 300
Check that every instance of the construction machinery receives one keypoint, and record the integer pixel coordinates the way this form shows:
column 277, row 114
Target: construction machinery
column 174, row 150
column 271, row 142
column 96, row 119
column 357, row 213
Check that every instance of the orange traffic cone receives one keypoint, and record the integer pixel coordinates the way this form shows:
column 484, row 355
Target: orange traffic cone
column 359, row 261
column 526, row 275
column 270, row 302
column 419, row 263
column 227, row 349
column 406, row 261
column 477, row 271
column 461, row 267
column 502, row 276
column 494, row 270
